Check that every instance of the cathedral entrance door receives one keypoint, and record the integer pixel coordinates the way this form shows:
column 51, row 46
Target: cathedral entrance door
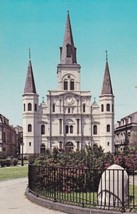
column 69, row 146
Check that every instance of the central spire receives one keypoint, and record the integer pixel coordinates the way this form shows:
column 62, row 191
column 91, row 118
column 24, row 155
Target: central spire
column 68, row 51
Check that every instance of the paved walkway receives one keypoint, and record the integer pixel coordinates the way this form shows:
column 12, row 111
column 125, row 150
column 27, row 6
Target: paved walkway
column 13, row 200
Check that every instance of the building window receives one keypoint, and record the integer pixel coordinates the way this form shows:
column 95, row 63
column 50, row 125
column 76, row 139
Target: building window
column 71, row 84
column 78, row 145
column 108, row 107
column 42, row 129
column 84, row 107
column 108, row 143
column 4, row 137
column 112, row 108
column 68, row 110
column 29, row 107
column 67, row 129
column 60, row 126
column 95, row 129
column 29, row 143
column 77, row 126
column 29, row 128
column 69, row 146
column 102, row 108
column 24, row 107
column 71, row 129
column 53, row 107
column 60, row 145
column 35, row 107
column 42, row 149
column 108, row 128
column 65, row 85
column 68, row 50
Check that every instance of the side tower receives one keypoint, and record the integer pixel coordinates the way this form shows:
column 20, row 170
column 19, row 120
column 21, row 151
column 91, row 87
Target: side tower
column 107, row 112
column 30, row 114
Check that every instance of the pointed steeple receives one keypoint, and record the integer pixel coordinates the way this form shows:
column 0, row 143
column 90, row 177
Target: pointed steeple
column 68, row 51
column 107, row 86
column 30, row 83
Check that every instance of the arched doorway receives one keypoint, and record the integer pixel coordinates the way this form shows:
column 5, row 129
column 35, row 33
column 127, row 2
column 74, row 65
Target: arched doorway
column 42, row 149
column 69, row 146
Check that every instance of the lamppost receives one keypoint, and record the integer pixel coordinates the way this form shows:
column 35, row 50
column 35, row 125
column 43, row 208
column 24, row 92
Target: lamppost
column 22, row 144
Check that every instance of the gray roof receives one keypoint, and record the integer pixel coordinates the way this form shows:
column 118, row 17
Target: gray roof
column 30, row 83
column 68, row 46
column 107, row 86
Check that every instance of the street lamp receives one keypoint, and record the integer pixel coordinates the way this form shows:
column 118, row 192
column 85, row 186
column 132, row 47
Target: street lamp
column 22, row 144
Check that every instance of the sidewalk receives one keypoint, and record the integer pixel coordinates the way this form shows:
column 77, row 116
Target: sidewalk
column 13, row 200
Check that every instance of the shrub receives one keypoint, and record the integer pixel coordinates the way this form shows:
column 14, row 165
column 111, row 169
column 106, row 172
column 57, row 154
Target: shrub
column 80, row 170
column 5, row 162
column 2, row 162
column 14, row 162
column 129, row 162
column 2, row 155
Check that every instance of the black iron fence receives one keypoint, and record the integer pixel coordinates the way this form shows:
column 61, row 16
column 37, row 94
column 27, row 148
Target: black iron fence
column 112, row 189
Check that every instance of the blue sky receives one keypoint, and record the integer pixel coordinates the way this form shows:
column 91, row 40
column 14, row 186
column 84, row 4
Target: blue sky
column 97, row 25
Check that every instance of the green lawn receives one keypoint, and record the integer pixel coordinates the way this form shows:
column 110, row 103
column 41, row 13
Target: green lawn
column 7, row 173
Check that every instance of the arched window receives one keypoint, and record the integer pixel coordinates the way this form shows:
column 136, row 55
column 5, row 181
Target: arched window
column 108, row 107
column 108, row 143
column 78, row 145
column 68, row 50
column 53, row 107
column 65, row 85
column 60, row 145
column 24, row 107
column 112, row 108
column 67, row 129
column 35, row 108
column 29, row 128
column 95, row 129
column 29, row 143
column 69, row 146
column 77, row 126
column 42, row 149
column 42, row 129
column 84, row 107
column 60, row 126
column 102, row 108
column 29, row 107
column 68, row 110
column 71, row 84
column 108, row 128
column 71, row 129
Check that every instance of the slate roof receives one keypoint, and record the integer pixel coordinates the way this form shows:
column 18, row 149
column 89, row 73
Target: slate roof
column 107, row 86
column 30, row 83
column 68, row 40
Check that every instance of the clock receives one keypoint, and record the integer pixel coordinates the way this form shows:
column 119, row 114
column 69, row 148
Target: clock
column 69, row 100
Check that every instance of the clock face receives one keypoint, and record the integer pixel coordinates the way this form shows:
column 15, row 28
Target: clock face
column 69, row 100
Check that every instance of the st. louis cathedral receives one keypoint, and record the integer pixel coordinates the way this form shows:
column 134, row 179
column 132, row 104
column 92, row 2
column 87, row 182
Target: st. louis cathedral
column 69, row 119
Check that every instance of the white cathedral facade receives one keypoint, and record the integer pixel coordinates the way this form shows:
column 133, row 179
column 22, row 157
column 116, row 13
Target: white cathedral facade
column 69, row 119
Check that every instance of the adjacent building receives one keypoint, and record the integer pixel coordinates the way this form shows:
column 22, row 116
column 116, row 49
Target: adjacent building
column 69, row 119
column 8, row 138
column 126, row 132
